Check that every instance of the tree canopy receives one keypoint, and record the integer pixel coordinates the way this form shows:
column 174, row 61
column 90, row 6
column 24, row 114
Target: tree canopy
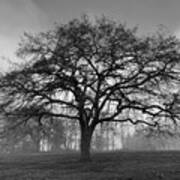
column 94, row 72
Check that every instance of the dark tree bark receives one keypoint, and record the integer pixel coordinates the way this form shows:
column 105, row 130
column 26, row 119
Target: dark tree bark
column 85, row 146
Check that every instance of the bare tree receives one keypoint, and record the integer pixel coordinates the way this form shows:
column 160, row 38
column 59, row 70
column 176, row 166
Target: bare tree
column 93, row 72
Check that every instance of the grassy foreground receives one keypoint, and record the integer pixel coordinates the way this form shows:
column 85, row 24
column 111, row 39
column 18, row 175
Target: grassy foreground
column 104, row 166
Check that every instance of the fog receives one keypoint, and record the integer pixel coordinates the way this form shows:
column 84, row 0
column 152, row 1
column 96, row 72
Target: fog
column 107, row 137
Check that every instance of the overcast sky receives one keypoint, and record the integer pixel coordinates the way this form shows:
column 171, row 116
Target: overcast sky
column 17, row 16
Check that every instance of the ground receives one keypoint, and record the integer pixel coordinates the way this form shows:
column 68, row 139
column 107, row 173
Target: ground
column 104, row 166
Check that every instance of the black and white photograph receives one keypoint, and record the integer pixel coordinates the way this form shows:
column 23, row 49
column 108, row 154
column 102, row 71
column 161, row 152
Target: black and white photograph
column 89, row 90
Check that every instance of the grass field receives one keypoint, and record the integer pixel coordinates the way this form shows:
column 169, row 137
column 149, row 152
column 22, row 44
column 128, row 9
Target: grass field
column 104, row 166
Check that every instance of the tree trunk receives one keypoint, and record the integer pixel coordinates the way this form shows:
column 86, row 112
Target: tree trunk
column 85, row 146
column 37, row 145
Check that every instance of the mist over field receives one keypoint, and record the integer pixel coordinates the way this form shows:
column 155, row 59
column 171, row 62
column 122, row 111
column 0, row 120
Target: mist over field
column 107, row 137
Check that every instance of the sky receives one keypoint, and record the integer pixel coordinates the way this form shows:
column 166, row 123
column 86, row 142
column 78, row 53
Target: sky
column 19, row 16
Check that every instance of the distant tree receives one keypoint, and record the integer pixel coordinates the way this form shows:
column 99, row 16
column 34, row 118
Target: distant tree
column 56, row 134
column 21, row 138
column 27, row 136
column 93, row 72
column 99, row 141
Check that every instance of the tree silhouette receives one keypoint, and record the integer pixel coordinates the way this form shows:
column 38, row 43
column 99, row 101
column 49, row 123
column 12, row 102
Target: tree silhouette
column 94, row 72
